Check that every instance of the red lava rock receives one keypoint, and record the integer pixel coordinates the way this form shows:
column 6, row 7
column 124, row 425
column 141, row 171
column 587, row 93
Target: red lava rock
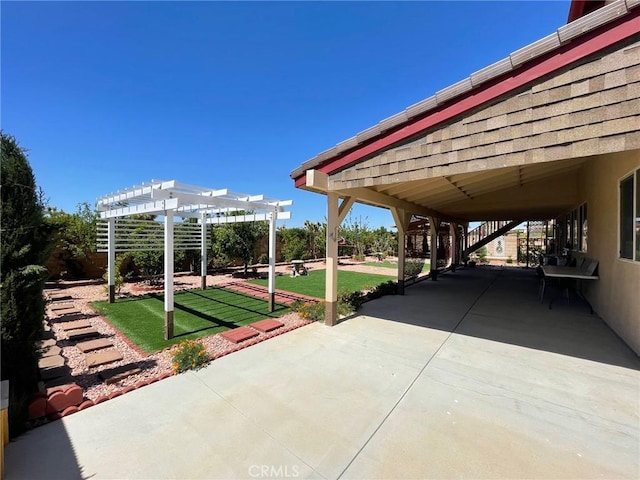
column 130, row 388
column 152, row 380
column 69, row 410
column 38, row 408
column 164, row 375
column 87, row 404
column 115, row 394
column 74, row 394
column 57, row 402
column 100, row 399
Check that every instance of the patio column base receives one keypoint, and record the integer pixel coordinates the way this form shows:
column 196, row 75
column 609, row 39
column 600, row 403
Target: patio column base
column 272, row 302
column 400, row 287
column 168, row 325
column 112, row 293
column 331, row 314
column 434, row 275
column 203, row 282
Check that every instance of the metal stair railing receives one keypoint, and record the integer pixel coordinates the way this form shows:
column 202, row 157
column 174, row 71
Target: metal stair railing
column 487, row 231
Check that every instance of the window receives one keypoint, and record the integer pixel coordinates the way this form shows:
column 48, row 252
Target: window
column 630, row 216
column 583, row 227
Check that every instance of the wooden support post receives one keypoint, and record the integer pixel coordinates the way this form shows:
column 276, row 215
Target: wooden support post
column 455, row 235
column 335, row 214
column 111, row 259
column 203, row 251
column 434, row 225
column 401, row 218
column 331, row 285
column 168, row 274
column 272, row 260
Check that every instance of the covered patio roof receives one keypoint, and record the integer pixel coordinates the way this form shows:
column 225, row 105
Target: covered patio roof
column 510, row 142
column 481, row 148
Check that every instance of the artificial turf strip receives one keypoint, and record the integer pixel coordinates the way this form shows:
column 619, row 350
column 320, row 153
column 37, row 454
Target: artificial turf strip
column 313, row 284
column 197, row 313
column 387, row 264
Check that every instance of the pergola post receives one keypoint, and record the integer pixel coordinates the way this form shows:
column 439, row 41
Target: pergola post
column 203, row 251
column 111, row 259
column 401, row 218
column 434, row 224
column 168, row 274
column 273, row 217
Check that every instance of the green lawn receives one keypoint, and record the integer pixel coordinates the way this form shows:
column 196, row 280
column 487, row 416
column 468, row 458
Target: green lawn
column 198, row 313
column 313, row 284
column 394, row 265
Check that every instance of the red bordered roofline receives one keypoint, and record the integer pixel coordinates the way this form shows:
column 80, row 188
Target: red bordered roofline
column 564, row 56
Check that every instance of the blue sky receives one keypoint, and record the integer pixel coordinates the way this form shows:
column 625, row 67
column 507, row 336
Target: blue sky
column 106, row 95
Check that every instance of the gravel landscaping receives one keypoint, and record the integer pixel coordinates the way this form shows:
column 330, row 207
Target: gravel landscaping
column 154, row 365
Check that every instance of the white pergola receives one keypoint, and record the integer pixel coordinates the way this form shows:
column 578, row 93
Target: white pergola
column 210, row 206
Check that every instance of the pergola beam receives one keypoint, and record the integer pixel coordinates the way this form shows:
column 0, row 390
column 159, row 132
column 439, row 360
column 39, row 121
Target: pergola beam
column 256, row 217
column 150, row 207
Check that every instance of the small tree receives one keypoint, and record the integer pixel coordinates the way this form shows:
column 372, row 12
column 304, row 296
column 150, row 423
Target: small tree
column 25, row 247
column 237, row 241
column 294, row 243
column 74, row 235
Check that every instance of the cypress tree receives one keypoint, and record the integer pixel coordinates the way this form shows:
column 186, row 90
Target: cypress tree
column 24, row 249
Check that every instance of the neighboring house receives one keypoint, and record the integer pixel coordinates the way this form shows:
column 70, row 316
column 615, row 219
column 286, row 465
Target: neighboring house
column 550, row 132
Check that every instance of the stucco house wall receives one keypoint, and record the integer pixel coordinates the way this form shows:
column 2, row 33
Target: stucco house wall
column 616, row 296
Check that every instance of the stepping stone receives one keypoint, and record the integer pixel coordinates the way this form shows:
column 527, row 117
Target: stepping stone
column 51, row 362
column 267, row 325
column 76, row 325
column 239, row 334
column 62, row 306
column 83, row 333
column 114, row 375
column 49, row 342
column 97, row 344
column 52, row 351
column 102, row 358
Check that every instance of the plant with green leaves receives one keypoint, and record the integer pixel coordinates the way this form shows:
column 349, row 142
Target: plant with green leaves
column 295, row 244
column 188, row 355
column 413, row 268
column 315, row 311
column 25, row 247
column 73, row 235
column 119, row 278
column 237, row 241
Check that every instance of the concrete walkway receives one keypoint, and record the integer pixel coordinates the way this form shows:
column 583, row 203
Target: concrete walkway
column 467, row 377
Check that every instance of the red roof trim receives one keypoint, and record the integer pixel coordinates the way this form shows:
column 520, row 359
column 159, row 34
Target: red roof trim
column 580, row 8
column 578, row 49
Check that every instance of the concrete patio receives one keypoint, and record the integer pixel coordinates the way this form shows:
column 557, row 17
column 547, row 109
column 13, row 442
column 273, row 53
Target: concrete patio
column 467, row 377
